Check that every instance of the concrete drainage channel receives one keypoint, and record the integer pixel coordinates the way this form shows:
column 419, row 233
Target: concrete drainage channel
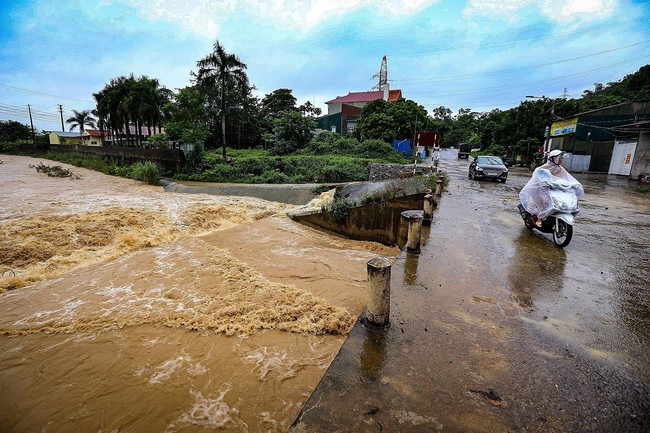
column 281, row 193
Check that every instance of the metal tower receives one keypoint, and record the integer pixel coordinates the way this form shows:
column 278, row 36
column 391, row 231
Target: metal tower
column 382, row 75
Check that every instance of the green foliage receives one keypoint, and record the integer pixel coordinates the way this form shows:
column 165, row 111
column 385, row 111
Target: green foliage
column 377, row 149
column 291, row 132
column 277, row 102
column 194, row 158
column 12, row 131
column 273, row 176
column 340, row 208
column 643, row 189
column 81, row 119
column 159, row 141
column 387, row 121
column 9, row 147
column 329, row 143
column 258, row 166
column 146, row 171
column 127, row 100
column 222, row 76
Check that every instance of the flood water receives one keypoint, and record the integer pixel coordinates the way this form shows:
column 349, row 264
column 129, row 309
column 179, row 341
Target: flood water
column 124, row 308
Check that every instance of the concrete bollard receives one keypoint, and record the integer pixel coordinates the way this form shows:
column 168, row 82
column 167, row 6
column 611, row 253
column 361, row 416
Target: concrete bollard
column 378, row 308
column 439, row 183
column 428, row 210
column 414, row 218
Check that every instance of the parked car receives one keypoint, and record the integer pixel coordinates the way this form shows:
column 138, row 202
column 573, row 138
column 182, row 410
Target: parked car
column 488, row 167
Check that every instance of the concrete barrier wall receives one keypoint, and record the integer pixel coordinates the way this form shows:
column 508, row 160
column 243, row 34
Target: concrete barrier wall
column 376, row 222
column 377, row 172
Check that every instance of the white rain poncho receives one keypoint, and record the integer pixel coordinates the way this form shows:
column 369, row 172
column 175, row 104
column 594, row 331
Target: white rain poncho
column 551, row 188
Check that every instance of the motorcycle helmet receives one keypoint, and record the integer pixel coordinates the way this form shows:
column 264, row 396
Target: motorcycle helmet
column 554, row 154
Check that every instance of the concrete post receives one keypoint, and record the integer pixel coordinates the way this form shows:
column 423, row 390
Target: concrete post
column 378, row 308
column 414, row 219
column 428, row 210
column 439, row 187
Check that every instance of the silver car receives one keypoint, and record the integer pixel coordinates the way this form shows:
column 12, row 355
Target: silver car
column 488, row 167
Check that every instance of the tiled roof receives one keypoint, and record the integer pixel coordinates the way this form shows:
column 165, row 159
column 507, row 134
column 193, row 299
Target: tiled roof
column 97, row 132
column 393, row 95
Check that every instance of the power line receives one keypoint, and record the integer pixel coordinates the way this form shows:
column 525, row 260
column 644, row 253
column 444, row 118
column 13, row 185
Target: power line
column 18, row 89
column 505, row 71
column 529, row 83
column 23, row 111
column 510, row 43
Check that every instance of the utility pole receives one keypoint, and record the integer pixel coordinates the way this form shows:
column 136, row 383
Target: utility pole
column 61, row 111
column 415, row 128
column 31, row 122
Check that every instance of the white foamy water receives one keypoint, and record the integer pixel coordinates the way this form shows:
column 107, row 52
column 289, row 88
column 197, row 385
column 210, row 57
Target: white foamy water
column 162, row 311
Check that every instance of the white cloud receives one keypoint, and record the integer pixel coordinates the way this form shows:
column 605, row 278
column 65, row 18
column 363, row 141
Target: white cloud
column 203, row 17
column 194, row 16
column 554, row 10
column 578, row 10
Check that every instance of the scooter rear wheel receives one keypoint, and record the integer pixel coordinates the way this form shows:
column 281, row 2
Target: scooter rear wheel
column 562, row 233
column 528, row 221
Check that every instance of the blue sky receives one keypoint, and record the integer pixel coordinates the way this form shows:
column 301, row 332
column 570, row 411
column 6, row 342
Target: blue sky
column 478, row 54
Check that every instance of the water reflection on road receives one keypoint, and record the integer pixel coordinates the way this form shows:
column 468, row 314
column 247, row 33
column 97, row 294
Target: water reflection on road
column 596, row 292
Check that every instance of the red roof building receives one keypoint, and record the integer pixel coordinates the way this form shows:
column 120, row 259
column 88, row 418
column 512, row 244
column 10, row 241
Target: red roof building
column 344, row 111
column 360, row 99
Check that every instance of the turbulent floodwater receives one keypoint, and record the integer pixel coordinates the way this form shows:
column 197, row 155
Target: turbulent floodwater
column 124, row 308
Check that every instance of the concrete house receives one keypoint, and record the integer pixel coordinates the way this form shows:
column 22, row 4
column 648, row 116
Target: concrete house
column 614, row 140
column 344, row 111
column 61, row 137
column 93, row 137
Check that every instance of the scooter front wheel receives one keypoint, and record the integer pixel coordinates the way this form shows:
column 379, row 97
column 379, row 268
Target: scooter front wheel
column 562, row 233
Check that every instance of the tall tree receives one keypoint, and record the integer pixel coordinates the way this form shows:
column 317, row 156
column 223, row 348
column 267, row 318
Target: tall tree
column 388, row 121
column 308, row 109
column 126, row 101
column 11, row 130
column 223, row 71
column 278, row 101
column 80, row 119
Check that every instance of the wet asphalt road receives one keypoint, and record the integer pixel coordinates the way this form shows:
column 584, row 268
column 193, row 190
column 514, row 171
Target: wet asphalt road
column 598, row 288
column 561, row 335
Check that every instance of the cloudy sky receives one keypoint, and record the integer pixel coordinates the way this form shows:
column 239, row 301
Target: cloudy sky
column 478, row 54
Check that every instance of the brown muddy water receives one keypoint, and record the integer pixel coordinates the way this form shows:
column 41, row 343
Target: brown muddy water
column 124, row 308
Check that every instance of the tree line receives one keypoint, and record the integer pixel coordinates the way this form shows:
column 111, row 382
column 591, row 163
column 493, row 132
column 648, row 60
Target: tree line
column 218, row 110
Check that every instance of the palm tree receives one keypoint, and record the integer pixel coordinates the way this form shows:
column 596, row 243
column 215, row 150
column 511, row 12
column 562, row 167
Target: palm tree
column 224, row 71
column 154, row 100
column 81, row 119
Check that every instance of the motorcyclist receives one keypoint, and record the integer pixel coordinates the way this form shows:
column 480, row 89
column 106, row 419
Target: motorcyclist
column 554, row 164
column 535, row 196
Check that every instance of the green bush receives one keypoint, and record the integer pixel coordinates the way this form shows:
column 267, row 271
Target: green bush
column 9, row 147
column 159, row 141
column 345, row 170
column 340, row 208
column 329, row 143
column 146, row 171
column 255, row 165
column 273, row 176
